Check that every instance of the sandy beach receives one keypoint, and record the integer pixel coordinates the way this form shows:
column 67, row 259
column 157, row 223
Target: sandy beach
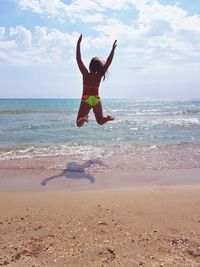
column 90, row 217
column 99, row 133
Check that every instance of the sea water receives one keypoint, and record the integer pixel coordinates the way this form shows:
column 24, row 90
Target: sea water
column 160, row 133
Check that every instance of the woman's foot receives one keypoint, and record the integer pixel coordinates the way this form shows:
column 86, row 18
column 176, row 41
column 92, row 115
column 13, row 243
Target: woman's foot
column 110, row 118
column 82, row 120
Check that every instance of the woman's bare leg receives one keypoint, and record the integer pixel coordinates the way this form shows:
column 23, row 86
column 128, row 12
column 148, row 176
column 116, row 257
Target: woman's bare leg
column 82, row 117
column 99, row 115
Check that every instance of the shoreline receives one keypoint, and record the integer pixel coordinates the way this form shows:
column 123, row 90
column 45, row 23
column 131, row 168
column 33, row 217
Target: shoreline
column 80, row 177
column 85, row 214
column 76, row 174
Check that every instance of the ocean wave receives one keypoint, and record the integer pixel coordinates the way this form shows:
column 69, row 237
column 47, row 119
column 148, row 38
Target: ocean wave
column 154, row 112
column 178, row 121
column 161, row 121
column 191, row 111
column 15, row 111
column 86, row 152
column 180, row 155
column 34, row 111
column 89, row 151
column 129, row 148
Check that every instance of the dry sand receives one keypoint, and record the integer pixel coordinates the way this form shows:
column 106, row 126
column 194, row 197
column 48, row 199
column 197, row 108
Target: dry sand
column 45, row 221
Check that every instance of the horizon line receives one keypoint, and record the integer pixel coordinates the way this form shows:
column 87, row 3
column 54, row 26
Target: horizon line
column 153, row 98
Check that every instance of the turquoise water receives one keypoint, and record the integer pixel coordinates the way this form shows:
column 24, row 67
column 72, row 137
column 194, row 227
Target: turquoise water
column 30, row 128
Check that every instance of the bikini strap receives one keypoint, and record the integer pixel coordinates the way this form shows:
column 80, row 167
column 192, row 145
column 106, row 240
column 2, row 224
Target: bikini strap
column 87, row 86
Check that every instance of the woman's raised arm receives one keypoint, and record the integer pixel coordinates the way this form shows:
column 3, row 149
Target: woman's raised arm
column 110, row 57
column 81, row 65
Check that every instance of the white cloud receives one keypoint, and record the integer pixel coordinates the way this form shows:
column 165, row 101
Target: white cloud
column 156, row 11
column 42, row 46
column 31, row 56
column 170, row 42
column 87, row 11
column 79, row 5
column 113, row 4
column 7, row 44
column 176, row 16
column 23, row 35
column 153, row 30
column 119, row 5
column 53, row 36
column 53, row 7
column 95, row 11
column 85, row 16
column 2, row 31
column 114, row 28
column 191, row 23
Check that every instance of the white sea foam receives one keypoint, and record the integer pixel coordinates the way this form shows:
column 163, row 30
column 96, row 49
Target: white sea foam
column 86, row 152
column 177, row 121
column 119, row 155
column 182, row 155
column 165, row 121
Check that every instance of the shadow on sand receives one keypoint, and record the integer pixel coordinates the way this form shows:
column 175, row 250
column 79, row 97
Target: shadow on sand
column 73, row 170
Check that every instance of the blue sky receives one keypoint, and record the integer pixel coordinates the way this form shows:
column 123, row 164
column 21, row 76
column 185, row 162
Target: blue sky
column 158, row 52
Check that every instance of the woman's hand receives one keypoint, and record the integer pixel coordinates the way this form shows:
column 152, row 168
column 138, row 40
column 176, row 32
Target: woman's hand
column 80, row 38
column 114, row 44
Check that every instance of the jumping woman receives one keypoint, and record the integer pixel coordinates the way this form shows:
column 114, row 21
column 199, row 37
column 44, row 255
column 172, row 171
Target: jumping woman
column 91, row 82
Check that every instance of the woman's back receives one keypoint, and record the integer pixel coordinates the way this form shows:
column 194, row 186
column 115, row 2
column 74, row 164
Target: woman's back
column 91, row 82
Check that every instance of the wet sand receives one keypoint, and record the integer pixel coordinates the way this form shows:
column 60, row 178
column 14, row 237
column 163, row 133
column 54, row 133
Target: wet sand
column 71, row 174
column 88, row 216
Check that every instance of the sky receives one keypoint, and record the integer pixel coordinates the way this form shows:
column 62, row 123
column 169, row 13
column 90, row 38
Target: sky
column 157, row 54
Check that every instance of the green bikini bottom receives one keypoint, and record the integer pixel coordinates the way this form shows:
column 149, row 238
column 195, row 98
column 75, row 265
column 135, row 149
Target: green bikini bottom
column 91, row 100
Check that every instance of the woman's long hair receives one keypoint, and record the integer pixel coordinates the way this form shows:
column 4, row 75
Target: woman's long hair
column 96, row 66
